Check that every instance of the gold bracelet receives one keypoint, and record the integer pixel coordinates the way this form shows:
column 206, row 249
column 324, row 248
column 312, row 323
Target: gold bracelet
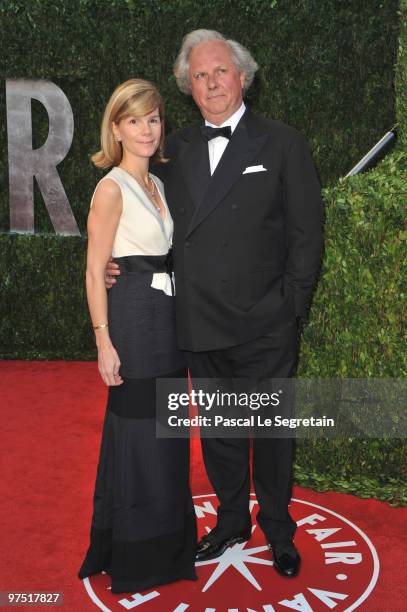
column 101, row 326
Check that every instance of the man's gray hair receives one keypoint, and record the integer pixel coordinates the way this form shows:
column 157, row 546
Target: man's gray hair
column 241, row 57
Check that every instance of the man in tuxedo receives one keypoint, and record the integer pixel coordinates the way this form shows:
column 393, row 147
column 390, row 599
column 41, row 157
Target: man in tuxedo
column 247, row 210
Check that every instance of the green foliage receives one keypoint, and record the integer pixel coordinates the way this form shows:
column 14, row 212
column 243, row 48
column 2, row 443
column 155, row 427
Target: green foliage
column 356, row 327
column 401, row 75
column 44, row 313
column 325, row 67
column 367, row 468
column 356, row 323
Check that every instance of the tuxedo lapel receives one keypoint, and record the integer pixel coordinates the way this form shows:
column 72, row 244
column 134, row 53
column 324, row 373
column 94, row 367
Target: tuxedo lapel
column 242, row 148
column 194, row 161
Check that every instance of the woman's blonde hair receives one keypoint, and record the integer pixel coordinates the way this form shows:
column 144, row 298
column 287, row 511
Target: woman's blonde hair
column 134, row 97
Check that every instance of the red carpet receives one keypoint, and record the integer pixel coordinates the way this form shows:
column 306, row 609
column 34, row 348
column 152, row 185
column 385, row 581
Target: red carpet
column 51, row 420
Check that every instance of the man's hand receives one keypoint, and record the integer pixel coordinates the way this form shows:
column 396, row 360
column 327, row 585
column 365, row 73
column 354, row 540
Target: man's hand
column 112, row 270
column 301, row 323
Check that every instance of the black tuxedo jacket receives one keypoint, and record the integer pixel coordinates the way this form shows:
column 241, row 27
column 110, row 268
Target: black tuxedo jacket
column 247, row 246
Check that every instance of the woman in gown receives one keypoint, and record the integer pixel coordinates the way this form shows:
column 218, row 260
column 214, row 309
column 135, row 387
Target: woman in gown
column 143, row 530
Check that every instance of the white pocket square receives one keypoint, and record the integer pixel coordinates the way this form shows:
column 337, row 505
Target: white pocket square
column 260, row 168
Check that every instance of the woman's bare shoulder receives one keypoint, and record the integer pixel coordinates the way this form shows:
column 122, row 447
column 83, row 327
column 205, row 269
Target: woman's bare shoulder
column 107, row 192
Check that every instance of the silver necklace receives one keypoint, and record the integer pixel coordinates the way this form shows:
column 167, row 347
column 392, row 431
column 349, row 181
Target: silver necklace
column 150, row 192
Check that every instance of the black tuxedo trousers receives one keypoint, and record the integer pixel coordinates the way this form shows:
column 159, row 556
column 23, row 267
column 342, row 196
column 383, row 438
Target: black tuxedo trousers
column 273, row 355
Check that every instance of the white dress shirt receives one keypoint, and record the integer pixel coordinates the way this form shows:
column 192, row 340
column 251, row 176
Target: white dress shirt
column 217, row 146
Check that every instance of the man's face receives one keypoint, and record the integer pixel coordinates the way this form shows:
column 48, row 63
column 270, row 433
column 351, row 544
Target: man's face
column 216, row 84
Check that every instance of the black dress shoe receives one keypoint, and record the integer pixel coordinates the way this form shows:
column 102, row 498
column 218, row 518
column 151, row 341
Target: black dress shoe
column 211, row 547
column 286, row 559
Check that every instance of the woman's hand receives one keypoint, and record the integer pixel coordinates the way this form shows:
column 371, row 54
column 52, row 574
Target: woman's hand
column 109, row 364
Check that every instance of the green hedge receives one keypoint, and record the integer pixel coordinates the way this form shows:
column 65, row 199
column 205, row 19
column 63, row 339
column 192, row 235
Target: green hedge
column 357, row 322
column 401, row 77
column 43, row 311
column 357, row 325
column 323, row 57
column 326, row 67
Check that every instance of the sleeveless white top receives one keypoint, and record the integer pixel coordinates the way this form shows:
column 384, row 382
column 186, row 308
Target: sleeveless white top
column 141, row 229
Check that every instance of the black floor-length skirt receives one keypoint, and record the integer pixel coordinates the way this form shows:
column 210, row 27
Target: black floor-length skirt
column 143, row 530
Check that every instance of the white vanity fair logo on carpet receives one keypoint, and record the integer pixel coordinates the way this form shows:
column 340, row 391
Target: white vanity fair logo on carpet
column 339, row 570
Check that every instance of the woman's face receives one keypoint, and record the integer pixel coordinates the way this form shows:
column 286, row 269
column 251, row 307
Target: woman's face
column 140, row 136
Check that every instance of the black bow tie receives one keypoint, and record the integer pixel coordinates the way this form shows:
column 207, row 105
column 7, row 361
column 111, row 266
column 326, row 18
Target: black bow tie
column 209, row 132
